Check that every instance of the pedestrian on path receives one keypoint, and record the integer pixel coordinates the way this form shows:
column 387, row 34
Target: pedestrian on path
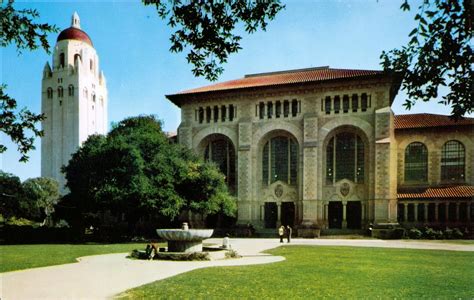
column 289, row 231
column 281, row 233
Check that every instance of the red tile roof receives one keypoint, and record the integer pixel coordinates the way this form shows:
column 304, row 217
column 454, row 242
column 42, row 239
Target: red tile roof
column 428, row 120
column 282, row 78
column 462, row 191
column 73, row 33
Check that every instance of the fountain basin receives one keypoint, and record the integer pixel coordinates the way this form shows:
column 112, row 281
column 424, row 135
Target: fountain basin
column 184, row 240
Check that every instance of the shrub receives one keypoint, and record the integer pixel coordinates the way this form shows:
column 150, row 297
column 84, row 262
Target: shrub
column 62, row 224
column 176, row 256
column 448, row 233
column 457, row 233
column 232, row 254
column 429, row 233
column 414, row 233
column 398, row 233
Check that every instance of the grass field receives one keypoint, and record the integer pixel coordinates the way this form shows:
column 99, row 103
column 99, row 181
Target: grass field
column 328, row 272
column 19, row 257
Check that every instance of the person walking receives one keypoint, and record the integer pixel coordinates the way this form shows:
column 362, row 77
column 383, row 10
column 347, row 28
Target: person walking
column 289, row 231
column 281, row 233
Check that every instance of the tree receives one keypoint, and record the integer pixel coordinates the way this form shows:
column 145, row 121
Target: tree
column 207, row 28
column 438, row 54
column 42, row 194
column 134, row 170
column 11, row 193
column 19, row 28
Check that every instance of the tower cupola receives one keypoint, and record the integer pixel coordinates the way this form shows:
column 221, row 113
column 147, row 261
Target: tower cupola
column 74, row 32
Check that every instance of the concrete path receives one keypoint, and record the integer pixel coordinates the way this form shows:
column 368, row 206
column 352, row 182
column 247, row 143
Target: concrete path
column 102, row 276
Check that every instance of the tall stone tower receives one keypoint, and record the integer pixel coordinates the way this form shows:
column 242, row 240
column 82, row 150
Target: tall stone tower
column 73, row 99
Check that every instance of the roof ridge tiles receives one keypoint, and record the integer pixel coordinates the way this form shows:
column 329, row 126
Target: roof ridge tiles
column 286, row 71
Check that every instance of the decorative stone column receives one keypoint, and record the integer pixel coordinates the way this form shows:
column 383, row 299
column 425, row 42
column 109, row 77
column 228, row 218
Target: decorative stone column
column 385, row 194
column 326, row 213
column 415, row 211
column 309, row 176
column 405, row 212
column 244, row 165
column 344, row 214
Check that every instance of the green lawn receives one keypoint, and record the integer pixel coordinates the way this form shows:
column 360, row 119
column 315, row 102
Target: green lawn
column 328, row 272
column 19, row 257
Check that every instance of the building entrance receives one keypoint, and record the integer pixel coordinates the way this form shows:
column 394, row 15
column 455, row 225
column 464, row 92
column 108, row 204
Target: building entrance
column 288, row 213
column 335, row 214
column 271, row 214
column 354, row 211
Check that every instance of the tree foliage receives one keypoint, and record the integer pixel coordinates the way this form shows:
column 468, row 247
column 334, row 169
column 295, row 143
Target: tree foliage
column 20, row 29
column 11, row 193
column 207, row 28
column 136, row 171
column 42, row 194
column 438, row 54
column 34, row 199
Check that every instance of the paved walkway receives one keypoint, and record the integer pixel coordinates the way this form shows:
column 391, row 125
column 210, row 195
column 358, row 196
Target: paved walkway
column 102, row 276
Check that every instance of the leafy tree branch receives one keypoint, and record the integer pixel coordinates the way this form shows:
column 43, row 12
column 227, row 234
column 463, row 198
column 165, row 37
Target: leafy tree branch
column 439, row 54
column 20, row 29
column 207, row 28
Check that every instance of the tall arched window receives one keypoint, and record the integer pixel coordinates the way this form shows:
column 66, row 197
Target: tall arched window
column 60, row 92
column 416, row 162
column 49, row 93
column 345, row 158
column 71, row 90
column 222, row 153
column 280, row 161
column 61, row 60
column 452, row 161
column 77, row 57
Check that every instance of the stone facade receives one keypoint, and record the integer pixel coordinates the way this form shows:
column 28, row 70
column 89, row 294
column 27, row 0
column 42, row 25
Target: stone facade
column 73, row 100
column 326, row 120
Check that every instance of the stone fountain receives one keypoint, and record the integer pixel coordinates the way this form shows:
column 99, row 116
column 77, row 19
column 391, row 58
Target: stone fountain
column 184, row 240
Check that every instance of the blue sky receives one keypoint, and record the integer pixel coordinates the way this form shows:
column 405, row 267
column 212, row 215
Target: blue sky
column 133, row 48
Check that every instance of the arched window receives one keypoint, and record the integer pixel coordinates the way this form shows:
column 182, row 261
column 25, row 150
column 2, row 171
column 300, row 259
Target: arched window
column 452, row 161
column 91, row 64
column 208, row 114
column 61, row 60
column 49, row 93
column 86, row 94
column 416, row 162
column 93, row 97
column 201, row 115
column 60, row 92
column 222, row 153
column 280, row 161
column 77, row 57
column 345, row 158
column 71, row 90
